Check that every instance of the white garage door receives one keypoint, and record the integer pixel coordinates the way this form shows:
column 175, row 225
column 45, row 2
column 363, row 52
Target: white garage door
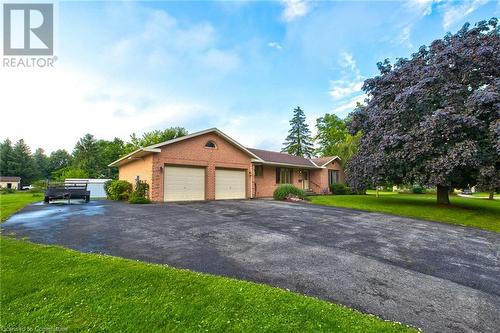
column 230, row 184
column 183, row 183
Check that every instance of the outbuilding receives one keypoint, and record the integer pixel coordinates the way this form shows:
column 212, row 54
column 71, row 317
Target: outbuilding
column 10, row 182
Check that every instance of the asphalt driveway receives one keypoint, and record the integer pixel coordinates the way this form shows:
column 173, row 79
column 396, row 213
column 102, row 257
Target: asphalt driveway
column 439, row 277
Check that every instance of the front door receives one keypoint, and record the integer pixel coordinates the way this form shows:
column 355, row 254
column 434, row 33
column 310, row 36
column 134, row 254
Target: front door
column 305, row 179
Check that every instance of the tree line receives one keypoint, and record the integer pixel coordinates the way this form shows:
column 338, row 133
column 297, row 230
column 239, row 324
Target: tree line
column 89, row 159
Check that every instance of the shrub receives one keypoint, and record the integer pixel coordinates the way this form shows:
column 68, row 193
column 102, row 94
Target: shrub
column 140, row 194
column 107, row 184
column 417, row 189
column 6, row 190
column 39, row 186
column 137, row 199
column 339, row 189
column 287, row 190
column 119, row 190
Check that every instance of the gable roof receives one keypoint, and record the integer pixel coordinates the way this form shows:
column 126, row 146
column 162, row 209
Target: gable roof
column 323, row 161
column 156, row 147
column 272, row 157
column 10, row 179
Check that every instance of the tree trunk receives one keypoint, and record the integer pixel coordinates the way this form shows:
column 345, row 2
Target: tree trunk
column 442, row 195
column 492, row 192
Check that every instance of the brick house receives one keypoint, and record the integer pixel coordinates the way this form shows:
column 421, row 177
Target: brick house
column 209, row 165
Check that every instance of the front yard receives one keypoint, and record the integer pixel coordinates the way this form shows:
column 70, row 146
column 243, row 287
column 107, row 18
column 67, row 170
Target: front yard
column 54, row 288
column 472, row 212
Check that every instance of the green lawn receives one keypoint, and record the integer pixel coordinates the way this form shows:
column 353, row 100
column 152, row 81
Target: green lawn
column 11, row 203
column 479, row 213
column 54, row 288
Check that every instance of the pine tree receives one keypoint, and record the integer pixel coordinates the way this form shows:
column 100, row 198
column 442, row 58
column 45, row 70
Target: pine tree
column 6, row 153
column 299, row 140
column 22, row 163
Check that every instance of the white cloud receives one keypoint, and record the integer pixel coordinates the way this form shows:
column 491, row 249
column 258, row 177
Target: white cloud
column 422, row 7
column 294, row 9
column 167, row 43
column 347, row 60
column 53, row 108
column 274, row 45
column 456, row 13
column 405, row 36
column 343, row 109
column 344, row 88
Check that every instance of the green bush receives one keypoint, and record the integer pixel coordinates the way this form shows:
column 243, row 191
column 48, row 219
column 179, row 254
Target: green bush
column 339, row 189
column 107, row 184
column 119, row 190
column 140, row 194
column 286, row 190
column 417, row 189
column 137, row 199
column 6, row 190
column 39, row 186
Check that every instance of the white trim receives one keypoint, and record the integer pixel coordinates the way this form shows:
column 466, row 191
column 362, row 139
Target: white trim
column 216, row 130
column 156, row 147
column 286, row 164
column 330, row 161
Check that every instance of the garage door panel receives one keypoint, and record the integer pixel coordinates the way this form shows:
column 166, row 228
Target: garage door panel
column 230, row 184
column 184, row 183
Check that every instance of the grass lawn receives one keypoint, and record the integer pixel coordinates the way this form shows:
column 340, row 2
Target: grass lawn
column 479, row 213
column 57, row 289
column 11, row 203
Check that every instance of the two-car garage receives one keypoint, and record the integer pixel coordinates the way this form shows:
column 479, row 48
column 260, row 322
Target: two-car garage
column 186, row 183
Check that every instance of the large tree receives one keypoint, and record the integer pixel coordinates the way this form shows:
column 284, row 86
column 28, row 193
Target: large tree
column 6, row 152
column 154, row 137
column 433, row 119
column 86, row 156
column 333, row 138
column 41, row 164
column 299, row 140
column 59, row 159
column 22, row 163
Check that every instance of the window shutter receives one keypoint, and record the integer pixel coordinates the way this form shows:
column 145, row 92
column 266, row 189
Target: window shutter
column 278, row 175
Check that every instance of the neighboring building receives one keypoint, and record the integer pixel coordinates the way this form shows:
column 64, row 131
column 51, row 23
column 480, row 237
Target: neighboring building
column 95, row 186
column 209, row 165
column 10, row 182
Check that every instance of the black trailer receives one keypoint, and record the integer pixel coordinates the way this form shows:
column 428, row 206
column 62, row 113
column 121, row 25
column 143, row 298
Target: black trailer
column 67, row 191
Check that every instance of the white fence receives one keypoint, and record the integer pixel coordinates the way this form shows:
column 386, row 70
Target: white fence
column 95, row 186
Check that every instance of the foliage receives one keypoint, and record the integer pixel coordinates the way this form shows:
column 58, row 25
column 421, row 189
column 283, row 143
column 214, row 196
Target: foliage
column 59, row 159
column 119, row 190
column 17, row 161
column 11, row 203
column 433, row 119
column 286, row 190
column 90, row 292
column 6, row 190
column 140, row 193
column 41, row 164
column 417, row 189
column 107, row 184
column 69, row 172
column 86, row 155
column 154, row 137
column 38, row 186
column 333, row 138
column 299, row 140
column 108, row 152
column 339, row 189
column 479, row 213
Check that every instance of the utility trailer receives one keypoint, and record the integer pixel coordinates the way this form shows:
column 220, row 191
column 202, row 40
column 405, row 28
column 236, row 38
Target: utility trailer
column 67, row 191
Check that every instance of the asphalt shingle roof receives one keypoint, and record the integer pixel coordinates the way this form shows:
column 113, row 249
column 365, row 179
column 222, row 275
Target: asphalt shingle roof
column 276, row 157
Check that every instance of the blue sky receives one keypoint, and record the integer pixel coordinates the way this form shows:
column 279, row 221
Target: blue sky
column 242, row 66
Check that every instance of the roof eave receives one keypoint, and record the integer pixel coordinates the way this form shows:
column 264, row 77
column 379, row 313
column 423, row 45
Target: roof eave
column 287, row 164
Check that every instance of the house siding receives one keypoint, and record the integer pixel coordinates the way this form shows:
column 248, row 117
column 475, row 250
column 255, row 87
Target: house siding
column 192, row 152
column 142, row 168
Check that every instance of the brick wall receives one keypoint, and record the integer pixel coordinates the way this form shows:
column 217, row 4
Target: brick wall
column 193, row 152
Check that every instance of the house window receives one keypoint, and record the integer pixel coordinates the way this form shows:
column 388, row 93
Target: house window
column 259, row 170
column 333, row 177
column 210, row 144
column 283, row 176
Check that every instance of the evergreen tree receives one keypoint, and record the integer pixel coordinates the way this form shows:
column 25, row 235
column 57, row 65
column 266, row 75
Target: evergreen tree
column 59, row 159
column 22, row 163
column 6, row 152
column 299, row 140
column 86, row 154
column 41, row 162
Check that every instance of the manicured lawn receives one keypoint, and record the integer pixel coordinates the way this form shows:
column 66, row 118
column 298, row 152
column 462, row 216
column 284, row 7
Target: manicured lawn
column 11, row 203
column 479, row 213
column 54, row 288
